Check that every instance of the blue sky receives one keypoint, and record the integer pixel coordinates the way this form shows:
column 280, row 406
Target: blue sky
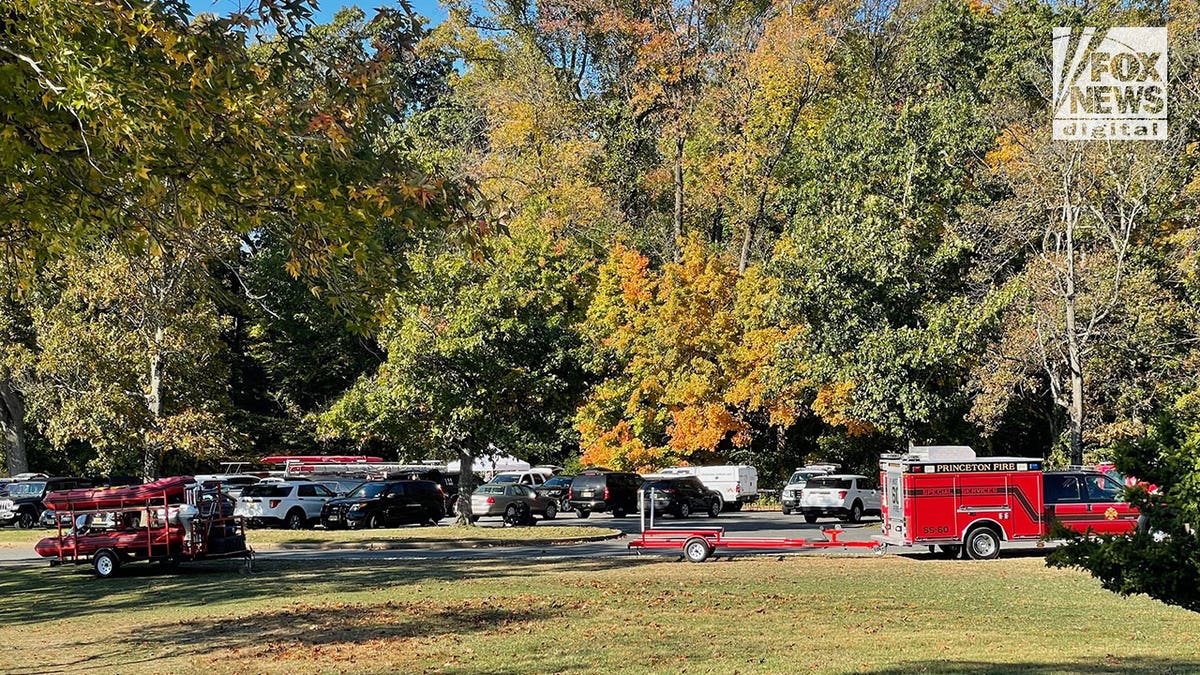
column 325, row 9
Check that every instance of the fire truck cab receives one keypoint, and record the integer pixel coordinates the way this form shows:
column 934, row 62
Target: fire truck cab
column 947, row 497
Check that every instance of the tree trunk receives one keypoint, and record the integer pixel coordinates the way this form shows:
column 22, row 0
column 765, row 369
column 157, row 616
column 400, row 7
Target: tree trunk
column 744, row 258
column 678, row 197
column 1074, row 357
column 152, row 445
column 12, row 422
column 466, row 485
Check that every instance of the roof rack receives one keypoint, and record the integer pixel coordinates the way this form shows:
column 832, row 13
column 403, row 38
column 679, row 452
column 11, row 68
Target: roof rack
column 342, row 468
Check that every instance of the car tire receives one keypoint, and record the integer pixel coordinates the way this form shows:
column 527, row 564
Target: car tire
column 106, row 563
column 296, row 520
column 26, row 520
column 696, row 549
column 371, row 523
column 510, row 515
column 810, row 518
column 618, row 512
column 551, row 511
column 736, row 506
column 683, row 512
column 720, row 501
column 982, row 543
column 714, row 508
column 582, row 513
column 856, row 511
column 786, row 511
column 474, row 519
column 565, row 506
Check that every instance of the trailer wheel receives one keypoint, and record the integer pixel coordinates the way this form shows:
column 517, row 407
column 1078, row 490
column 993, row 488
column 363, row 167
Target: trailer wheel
column 983, row 544
column 696, row 549
column 106, row 563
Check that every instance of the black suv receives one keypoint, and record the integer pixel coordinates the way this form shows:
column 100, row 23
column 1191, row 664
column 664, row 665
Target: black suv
column 384, row 503
column 449, row 485
column 557, row 488
column 24, row 506
column 614, row 491
column 682, row 496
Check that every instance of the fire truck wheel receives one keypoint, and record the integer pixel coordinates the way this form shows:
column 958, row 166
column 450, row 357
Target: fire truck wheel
column 106, row 563
column 696, row 550
column 983, row 544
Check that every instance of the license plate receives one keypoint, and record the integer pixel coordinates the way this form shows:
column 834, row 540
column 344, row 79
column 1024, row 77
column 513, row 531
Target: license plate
column 332, row 518
column 586, row 493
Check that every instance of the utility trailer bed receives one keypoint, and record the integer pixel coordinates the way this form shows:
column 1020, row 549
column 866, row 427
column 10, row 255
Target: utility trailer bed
column 697, row 544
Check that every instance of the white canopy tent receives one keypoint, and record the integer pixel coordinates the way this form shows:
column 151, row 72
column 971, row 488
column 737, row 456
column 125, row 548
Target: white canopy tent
column 490, row 465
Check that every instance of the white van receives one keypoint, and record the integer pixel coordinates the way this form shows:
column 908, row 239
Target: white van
column 736, row 483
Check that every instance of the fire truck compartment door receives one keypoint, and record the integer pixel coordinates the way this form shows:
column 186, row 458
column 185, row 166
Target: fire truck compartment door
column 893, row 493
column 982, row 496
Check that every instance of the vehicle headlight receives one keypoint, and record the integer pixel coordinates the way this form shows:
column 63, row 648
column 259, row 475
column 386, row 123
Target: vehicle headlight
column 360, row 505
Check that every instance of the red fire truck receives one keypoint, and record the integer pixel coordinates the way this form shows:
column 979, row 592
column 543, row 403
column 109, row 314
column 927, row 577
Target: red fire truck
column 947, row 497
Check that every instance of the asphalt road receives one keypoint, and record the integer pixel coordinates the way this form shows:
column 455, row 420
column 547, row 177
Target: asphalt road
column 772, row 524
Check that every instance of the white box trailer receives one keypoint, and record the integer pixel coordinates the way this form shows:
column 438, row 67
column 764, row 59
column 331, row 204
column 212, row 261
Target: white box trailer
column 736, row 483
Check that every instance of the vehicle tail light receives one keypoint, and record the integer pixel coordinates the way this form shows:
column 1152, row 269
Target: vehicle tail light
column 441, row 490
column 738, row 488
column 606, row 492
column 273, row 503
column 570, row 493
column 491, row 500
column 841, row 494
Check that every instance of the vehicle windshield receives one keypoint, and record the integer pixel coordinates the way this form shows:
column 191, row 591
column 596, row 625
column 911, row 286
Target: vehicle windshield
column 368, row 491
column 490, row 490
column 26, row 489
column 658, row 485
column 504, row 479
column 802, row 476
column 558, row 481
column 829, row 483
column 267, row 490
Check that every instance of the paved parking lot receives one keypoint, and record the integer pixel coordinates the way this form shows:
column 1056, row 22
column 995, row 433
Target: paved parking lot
column 744, row 523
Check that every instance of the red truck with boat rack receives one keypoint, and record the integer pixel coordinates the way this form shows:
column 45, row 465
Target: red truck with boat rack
column 946, row 496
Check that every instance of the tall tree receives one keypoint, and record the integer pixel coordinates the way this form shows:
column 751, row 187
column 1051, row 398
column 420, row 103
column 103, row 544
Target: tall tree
column 481, row 356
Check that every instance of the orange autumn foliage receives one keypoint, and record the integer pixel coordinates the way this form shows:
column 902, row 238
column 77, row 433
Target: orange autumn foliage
column 687, row 353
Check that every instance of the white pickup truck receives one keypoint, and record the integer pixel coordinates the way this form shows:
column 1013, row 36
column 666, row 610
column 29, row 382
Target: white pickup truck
column 845, row 496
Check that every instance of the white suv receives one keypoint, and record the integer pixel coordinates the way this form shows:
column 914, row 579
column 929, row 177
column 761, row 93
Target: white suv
column 790, row 498
column 294, row 505
column 532, row 477
column 846, row 496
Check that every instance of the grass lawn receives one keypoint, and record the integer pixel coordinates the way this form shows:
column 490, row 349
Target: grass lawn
column 884, row 614
column 540, row 534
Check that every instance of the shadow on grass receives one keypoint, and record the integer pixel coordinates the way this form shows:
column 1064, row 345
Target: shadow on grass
column 1110, row 665
column 32, row 595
